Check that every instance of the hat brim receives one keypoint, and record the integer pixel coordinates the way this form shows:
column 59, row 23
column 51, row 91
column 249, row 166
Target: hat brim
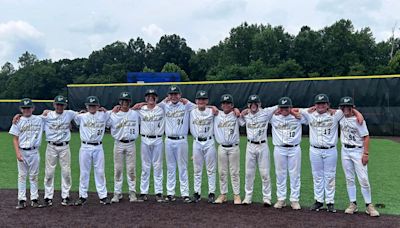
column 230, row 102
column 26, row 106
column 321, row 102
column 174, row 92
column 346, row 104
column 285, row 106
column 92, row 104
column 147, row 94
column 203, row 98
column 59, row 102
column 125, row 99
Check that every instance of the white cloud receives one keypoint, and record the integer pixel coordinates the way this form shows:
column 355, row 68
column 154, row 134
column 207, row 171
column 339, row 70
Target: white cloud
column 152, row 32
column 96, row 24
column 58, row 53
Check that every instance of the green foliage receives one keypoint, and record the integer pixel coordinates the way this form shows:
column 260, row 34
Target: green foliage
column 172, row 67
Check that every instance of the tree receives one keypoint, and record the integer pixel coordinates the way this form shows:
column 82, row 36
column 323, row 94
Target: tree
column 172, row 67
column 7, row 68
column 27, row 59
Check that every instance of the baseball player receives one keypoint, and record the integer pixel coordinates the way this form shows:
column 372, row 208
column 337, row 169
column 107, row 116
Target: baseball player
column 226, row 130
column 124, row 129
column 91, row 128
column 323, row 153
column 27, row 138
column 257, row 152
column 202, row 128
column 355, row 139
column 286, row 137
column 176, row 146
column 151, row 130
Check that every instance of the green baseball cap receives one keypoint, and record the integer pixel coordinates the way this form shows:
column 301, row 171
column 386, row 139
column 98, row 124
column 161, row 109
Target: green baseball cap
column 346, row 101
column 201, row 94
column 254, row 99
column 26, row 103
column 92, row 100
column 60, row 100
column 321, row 98
column 174, row 89
column 226, row 98
column 151, row 91
column 285, row 102
column 125, row 96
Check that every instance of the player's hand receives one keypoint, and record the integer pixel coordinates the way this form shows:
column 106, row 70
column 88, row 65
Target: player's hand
column 116, row 108
column 45, row 112
column 19, row 157
column 184, row 101
column 311, row 109
column 364, row 159
column 82, row 111
column 359, row 116
column 297, row 115
column 277, row 112
column 332, row 111
column 244, row 112
column 102, row 109
column 237, row 112
column 16, row 118
column 215, row 110
column 138, row 106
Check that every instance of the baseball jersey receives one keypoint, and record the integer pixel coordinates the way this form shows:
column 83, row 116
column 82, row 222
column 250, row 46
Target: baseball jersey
column 323, row 127
column 286, row 130
column 351, row 132
column 124, row 125
column 57, row 126
column 226, row 128
column 92, row 126
column 29, row 131
column 257, row 123
column 202, row 123
column 151, row 123
column 177, row 118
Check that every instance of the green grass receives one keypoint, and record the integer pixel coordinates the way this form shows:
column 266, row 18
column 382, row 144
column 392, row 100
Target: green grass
column 384, row 172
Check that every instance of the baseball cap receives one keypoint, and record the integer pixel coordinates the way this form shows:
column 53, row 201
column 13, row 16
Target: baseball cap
column 60, row 100
column 346, row 101
column 253, row 99
column 285, row 102
column 151, row 91
column 201, row 94
column 92, row 100
column 26, row 103
column 321, row 98
column 174, row 89
column 125, row 96
column 227, row 98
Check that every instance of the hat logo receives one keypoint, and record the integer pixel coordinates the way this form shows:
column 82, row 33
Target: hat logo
column 26, row 102
column 91, row 100
column 60, row 99
column 226, row 98
column 202, row 93
column 346, row 100
column 253, row 97
column 284, row 101
column 320, row 97
column 173, row 88
column 151, row 91
column 125, row 94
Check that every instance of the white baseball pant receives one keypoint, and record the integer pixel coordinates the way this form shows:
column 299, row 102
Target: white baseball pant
column 87, row 155
column 127, row 152
column 176, row 152
column 229, row 161
column 323, row 166
column 257, row 154
column 351, row 162
column 287, row 159
column 63, row 155
column 152, row 155
column 204, row 152
column 29, row 166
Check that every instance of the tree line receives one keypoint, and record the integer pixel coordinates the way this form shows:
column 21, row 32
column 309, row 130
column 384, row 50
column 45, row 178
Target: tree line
column 251, row 51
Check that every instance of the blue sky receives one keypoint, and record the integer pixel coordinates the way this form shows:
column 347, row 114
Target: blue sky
column 70, row 29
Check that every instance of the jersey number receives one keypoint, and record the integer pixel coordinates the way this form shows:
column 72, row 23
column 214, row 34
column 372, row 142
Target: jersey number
column 327, row 131
column 99, row 132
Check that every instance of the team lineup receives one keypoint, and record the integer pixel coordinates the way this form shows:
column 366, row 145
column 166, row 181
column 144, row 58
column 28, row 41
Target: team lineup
column 173, row 117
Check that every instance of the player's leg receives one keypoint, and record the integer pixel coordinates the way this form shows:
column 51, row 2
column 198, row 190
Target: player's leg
column 294, row 168
column 130, row 151
column 211, row 167
column 264, row 168
column 85, row 163
column 281, row 167
column 348, row 168
column 317, row 169
column 118, row 171
column 34, row 163
column 146, row 166
column 51, row 158
column 198, row 161
column 251, row 160
column 182, row 160
column 330, row 160
column 99, row 175
column 170, row 156
column 157, row 161
column 66, row 181
column 234, row 169
column 223, row 165
column 22, row 174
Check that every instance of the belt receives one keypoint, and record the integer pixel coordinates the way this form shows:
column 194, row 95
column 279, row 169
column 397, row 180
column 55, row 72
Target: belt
column 58, row 144
column 152, row 136
column 176, row 137
column 351, row 146
column 232, row 145
column 287, row 145
column 257, row 142
column 323, row 147
column 30, row 148
column 93, row 144
column 203, row 139
column 126, row 141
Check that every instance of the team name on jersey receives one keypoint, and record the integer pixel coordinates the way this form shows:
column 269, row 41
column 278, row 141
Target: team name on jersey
column 126, row 123
column 57, row 127
column 175, row 114
column 202, row 122
column 91, row 124
column 30, row 127
column 256, row 125
column 228, row 123
column 328, row 122
column 286, row 126
column 348, row 129
column 152, row 117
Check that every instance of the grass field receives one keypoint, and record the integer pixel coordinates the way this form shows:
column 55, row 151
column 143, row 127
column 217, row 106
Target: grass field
column 384, row 173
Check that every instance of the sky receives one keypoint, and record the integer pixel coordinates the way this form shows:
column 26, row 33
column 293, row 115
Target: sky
column 70, row 29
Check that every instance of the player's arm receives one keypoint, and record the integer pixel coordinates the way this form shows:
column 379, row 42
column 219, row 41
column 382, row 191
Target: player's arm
column 16, row 118
column 364, row 159
column 236, row 111
column 214, row 109
column 359, row 116
column 138, row 106
column 16, row 148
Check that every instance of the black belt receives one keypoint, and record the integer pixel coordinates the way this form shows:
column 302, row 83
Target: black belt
column 203, row 139
column 257, row 142
column 229, row 145
column 287, row 145
column 351, row 146
column 323, row 147
column 58, row 144
column 176, row 137
column 126, row 141
column 30, row 148
column 93, row 144
column 152, row 136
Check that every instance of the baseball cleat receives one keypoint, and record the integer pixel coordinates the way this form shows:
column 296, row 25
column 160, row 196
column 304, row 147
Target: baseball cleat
column 280, row 204
column 295, row 205
column 221, row 199
column 21, row 205
column 170, row 198
column 105, row 201
column 186, row 199
column 371, row 211
column 48, row 202
column 142, row 198
column 316, row 206
column 246, row 201
column 237, row 200
column 65, row 201
column 351, row 209
column 211, row 198
column 116, row 198
column 267, row 203
column 132, row 197
column 196, row 197
column 159, row 198
column 35, row 204
column 330, row 207
column 80, row 202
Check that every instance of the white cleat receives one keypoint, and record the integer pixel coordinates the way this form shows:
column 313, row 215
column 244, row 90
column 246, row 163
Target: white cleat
column 280, row 204
column 351, row 209
column 295, row 205
column 116, row 198
column 371, row 211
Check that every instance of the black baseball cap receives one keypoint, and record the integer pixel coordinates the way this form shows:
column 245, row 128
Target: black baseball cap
column 201, row 94
column 60, row 100
column 321, row 98
column 151, row 91
column 26, row 103
column 285, row 102
column 254, row 99
column 346, row 101
column 226, row 98
column 125, row 96
column 92, row 100
column 174, row 89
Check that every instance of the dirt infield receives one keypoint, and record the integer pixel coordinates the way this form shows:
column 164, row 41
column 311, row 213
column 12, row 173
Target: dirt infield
column 178, row 214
